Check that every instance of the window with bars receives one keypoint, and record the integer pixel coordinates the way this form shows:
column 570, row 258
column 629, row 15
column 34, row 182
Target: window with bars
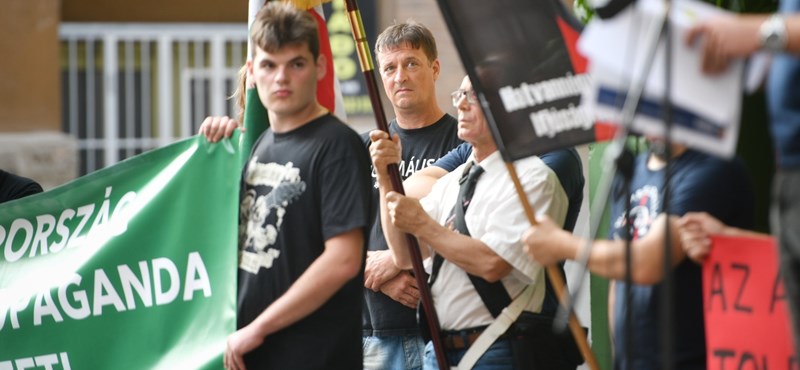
column 129, row 88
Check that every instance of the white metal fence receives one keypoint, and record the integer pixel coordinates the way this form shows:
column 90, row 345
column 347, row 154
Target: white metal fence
column 128, row 88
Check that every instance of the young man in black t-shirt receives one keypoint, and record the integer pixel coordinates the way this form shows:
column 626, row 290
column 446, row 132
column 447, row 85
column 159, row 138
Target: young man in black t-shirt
column 303, row 214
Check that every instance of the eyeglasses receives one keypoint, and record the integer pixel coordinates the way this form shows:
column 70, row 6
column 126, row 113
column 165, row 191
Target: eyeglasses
column 469, row 94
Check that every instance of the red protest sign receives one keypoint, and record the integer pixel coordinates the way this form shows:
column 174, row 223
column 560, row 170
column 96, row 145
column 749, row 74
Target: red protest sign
column 747, row 322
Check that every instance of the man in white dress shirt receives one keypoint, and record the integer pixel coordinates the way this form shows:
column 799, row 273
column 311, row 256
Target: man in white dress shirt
column 495, row 219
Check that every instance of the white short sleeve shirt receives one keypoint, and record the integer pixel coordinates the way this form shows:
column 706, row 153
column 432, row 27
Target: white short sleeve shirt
column 496, row 217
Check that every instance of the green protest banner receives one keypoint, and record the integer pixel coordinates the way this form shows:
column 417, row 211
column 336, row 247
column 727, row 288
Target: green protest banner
column 131, row 267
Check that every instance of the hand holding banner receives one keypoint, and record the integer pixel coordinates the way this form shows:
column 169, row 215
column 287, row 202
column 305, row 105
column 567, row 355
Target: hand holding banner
column 133, row 266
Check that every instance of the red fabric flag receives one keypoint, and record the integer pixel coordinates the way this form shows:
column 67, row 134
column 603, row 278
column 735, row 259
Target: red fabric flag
column 326, row 94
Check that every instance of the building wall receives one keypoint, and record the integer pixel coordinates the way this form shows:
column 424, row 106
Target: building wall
column 29, row 86
column 31, row 142
column 154, row 11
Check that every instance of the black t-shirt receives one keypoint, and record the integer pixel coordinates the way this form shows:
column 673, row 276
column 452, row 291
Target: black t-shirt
column 699, row 182
column 421, row 147
column 15, row 187
column 299, row 189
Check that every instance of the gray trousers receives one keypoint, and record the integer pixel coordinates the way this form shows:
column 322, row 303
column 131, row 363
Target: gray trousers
column 785, row 223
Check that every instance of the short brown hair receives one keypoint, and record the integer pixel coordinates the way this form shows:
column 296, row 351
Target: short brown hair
column 409, row 32
column 278, row 24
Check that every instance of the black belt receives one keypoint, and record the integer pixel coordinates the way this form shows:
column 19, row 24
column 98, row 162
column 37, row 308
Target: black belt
column 462, row 339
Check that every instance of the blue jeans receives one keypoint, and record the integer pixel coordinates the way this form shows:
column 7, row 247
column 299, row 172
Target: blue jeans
column 393, row 352
column 497, row 357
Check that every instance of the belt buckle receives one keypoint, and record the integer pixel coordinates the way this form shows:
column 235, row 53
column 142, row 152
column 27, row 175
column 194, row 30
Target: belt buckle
column 461, row 339
column 454, row 341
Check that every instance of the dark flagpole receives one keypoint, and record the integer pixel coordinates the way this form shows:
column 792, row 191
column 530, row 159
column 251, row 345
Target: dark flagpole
column 367, row 67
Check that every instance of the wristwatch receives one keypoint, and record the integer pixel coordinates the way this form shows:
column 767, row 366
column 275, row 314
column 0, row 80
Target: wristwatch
column 773, row 34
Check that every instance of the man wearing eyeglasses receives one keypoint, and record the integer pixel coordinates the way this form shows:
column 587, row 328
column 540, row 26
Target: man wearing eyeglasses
column 566, row 163
column 490, row 248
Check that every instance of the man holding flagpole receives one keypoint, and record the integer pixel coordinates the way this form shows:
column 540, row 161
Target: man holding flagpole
column 490, row 250
column 303, row 213
column 409, row 67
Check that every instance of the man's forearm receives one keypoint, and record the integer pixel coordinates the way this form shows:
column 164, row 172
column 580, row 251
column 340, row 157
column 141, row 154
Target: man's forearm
column 471, row 255
column 395, row 238
column 420, row 183
column 607, row 257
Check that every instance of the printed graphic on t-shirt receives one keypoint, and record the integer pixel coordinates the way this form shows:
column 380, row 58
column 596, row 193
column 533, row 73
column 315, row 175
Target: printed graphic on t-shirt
column 645, row 205
column 406, row 168
column 262, row 212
